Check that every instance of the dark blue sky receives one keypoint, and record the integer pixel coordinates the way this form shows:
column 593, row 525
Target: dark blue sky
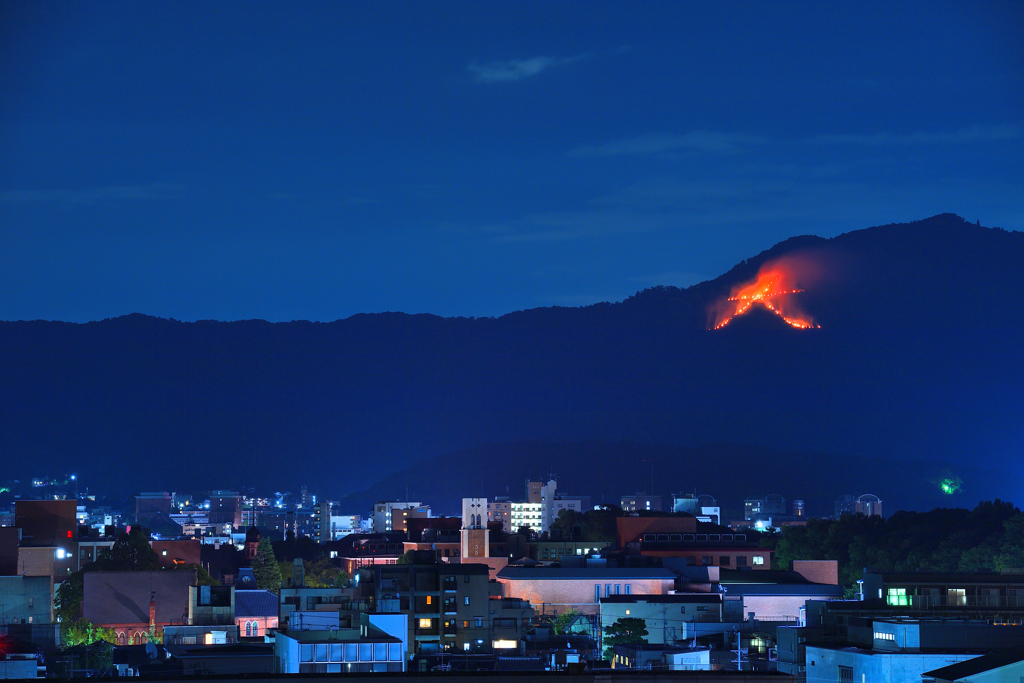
column 314, row 160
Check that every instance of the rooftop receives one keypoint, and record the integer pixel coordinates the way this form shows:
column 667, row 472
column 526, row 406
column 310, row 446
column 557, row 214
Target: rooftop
column 595, row 573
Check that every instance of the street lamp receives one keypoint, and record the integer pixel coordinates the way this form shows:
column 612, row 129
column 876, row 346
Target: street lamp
column 74, row 478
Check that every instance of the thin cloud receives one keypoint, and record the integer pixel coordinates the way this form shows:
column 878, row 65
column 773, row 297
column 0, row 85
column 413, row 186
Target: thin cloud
column 517, row 69
column 94, row 195
column 658, row 143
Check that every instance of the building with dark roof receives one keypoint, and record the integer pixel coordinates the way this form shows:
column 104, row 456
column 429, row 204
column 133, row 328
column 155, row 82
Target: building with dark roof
column 256, row 612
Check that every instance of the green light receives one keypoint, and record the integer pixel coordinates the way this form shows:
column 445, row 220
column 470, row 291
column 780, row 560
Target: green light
column 950, row 485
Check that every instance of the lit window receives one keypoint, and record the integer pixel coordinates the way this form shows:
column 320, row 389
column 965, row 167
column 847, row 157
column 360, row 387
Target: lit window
column 430, row 599
column 627, row 613
column 898, row 597
column 424, row 623
column 758, row 559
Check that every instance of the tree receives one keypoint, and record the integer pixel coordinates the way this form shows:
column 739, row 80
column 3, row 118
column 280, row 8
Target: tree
column 625, row 631
column 417, row 557
column 84, row 632
column 203, row 577
column 323, row 574
column 68, row 599
column 265, row 567
column 563, row 621
column 131, row 552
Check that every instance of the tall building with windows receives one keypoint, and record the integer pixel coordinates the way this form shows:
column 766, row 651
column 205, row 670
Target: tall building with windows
column 391, row 515
column 226, row 508
column 640, row 502
column 449, row 606
column 869, row 505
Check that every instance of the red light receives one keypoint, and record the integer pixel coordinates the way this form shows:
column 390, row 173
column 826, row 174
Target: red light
column 69, row 533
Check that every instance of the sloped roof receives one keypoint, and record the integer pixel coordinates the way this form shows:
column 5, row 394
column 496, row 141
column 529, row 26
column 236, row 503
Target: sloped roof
column 255, row 603
column 123, row 597
column 973, row 667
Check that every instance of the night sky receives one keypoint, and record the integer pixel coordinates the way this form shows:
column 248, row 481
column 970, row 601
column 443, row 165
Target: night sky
column 315, row 160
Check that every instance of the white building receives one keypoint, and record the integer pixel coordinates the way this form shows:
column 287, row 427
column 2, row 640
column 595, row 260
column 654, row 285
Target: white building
column 389, row 515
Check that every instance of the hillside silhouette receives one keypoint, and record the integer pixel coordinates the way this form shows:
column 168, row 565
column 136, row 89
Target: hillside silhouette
column 917, row 359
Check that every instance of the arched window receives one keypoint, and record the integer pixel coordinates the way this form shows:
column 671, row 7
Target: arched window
column 143, row 638
column 248, row 628
column 122, row 639
column 255, row 628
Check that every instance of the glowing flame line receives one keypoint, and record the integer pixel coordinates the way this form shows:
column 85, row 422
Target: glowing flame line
column 762, row 298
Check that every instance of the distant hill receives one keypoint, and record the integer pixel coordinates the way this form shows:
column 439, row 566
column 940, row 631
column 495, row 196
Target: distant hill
column 918, row 359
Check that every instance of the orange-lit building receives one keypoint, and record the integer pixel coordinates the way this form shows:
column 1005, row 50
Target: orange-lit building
column 699, row 543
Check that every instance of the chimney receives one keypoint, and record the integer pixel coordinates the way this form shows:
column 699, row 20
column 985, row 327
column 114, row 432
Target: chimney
column 152, row 612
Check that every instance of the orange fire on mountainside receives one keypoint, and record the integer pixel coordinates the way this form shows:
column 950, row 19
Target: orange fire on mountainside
column 773, row 288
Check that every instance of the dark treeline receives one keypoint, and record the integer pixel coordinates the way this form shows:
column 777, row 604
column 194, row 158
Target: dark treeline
column 991, row 536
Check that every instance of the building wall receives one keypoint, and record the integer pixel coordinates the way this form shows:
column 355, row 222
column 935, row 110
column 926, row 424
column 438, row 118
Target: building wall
column 696, row 556
column 527, row 514
column 553, row 550
column 226, row 508
column 149, row 504
column 27, row 599
column 818, row 571
column 172, row 553
column 89, row 551
column 262, row 625
column 558, row 595
column 46, row 522
column 874, row 667
column 45, row 561
column 664, row 619
column 775, row 607
column 633, row 528
column 501, row 511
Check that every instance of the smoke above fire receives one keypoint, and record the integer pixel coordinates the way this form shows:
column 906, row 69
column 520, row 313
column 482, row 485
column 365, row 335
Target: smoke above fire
column 776, row 287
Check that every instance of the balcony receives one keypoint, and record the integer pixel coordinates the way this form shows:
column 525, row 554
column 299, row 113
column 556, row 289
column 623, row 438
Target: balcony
column 386, row 606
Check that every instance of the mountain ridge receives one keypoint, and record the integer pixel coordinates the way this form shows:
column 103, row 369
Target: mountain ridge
column 920, row 339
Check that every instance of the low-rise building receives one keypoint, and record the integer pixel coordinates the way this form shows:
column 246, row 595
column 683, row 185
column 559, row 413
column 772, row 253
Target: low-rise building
column 450, row 607
column 256, row 612
column 363, row 649
column 666, row 616
column 135, row 604
column 553, row 590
